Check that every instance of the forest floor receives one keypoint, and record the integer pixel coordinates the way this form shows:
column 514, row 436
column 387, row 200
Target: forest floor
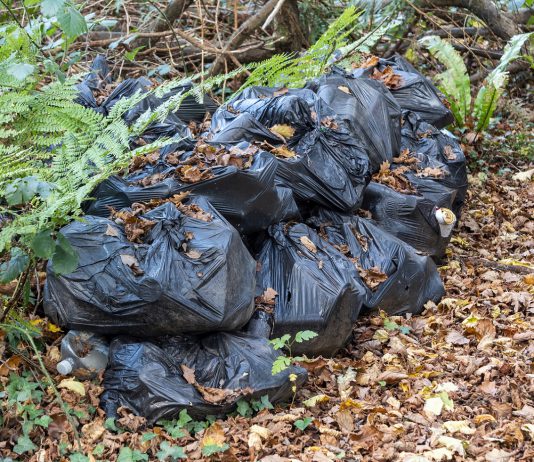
column 454, row 383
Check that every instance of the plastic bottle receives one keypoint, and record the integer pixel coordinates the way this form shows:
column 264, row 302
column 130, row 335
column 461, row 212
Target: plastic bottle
column 83, row 354
column 446, row 220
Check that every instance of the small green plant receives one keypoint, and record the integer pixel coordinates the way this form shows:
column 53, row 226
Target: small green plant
column 169, row 452
column 283, row 362
column 211, row 449
column 455, row 83
column 302, row 424
column 131, row 455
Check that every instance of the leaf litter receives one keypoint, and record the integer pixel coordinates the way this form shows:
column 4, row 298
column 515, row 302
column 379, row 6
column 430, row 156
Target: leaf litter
column 454, row 383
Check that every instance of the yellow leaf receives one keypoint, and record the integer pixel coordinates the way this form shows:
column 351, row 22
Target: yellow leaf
column 72, row 385
column 315, row 400
column 285, row 131
column 460, row 426
column 53, row 328
column 483, row 418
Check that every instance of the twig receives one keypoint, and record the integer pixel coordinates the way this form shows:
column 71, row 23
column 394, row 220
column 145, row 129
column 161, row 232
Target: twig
column 498, row 266
column 273, row 14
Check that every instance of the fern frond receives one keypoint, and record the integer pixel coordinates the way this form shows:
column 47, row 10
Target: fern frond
column 493, row 87
column 454, row 82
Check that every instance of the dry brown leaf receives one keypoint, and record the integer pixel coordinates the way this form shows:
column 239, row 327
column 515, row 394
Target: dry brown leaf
column 112, row 231
column 306, row 241
column 132, row 263
column 344, row 89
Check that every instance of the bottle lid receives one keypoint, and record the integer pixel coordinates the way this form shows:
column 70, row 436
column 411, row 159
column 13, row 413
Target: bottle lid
column 64, row 367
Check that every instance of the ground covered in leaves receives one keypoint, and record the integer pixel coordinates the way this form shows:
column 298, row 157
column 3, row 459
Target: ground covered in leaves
column 455, row 383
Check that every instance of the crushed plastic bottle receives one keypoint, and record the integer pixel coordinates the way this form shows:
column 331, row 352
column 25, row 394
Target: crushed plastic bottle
column 84, row 354
column 446, row 220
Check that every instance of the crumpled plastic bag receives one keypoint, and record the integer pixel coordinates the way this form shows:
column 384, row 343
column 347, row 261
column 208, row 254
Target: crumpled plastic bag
column 397, row 279
column 412, row 90
column 248, row 197
column 189, row 272
column 205, row 375
column 316, row 288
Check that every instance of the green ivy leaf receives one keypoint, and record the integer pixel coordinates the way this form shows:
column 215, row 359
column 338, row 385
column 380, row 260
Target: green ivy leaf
column 65, row 258
column 20, row 70
column 110, row 425
column 390, row 325
column 127, row 455
column 167, row 451
column 130, row 55
column 148, row 436
column 77, row 457
column 99, row 449
column 72, row 22
column 43, row 245
column 43, row 421
column 17, row 263
column 51, row 8
column 211, row 449
column 243, row 408
column 305, row 335
column 24, row 444
column 302, row 424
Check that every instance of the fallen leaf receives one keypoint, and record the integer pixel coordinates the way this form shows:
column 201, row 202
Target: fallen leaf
column 453, row 444
column 458, row 426
column 112, row 231
column 306, row 241
column 283, row 131
column 498, row 455
column 433, row 406
column 72, row 385
column 315, row 400
column 213, row 436
column 344, row 89
column 523, row 176
column 132, row 263
column 456, row 338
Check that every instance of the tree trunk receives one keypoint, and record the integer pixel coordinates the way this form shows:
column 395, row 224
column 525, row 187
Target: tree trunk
column 497, row 20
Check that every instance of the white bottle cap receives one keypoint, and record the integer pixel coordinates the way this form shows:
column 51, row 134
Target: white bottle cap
column 64, row 367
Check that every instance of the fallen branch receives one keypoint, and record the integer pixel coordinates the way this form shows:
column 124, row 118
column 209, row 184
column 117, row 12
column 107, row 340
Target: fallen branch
column 243, row 32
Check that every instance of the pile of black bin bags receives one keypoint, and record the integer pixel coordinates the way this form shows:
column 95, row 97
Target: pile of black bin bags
column 181, row 282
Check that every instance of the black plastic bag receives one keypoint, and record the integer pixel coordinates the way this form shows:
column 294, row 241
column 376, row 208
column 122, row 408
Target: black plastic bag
column 330, row 168
column 396, row 278
column 326, row 166
column 147, row 377
column 190, row 272
column 316, row 285
column 413, row 91
column 410, row 217
column 248, row 198
column 284, row 109
column 372, row 117
column 437, row 152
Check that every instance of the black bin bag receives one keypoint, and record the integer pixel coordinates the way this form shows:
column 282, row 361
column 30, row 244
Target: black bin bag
column 396, row 278
column 413, row 91
column 147, row 376
column 190, row 272
column 372, row 117
column 249, row 198
column 410, row 217
column 318, row 288
column 330, row 168
column 284, row 109
column 434, row 149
